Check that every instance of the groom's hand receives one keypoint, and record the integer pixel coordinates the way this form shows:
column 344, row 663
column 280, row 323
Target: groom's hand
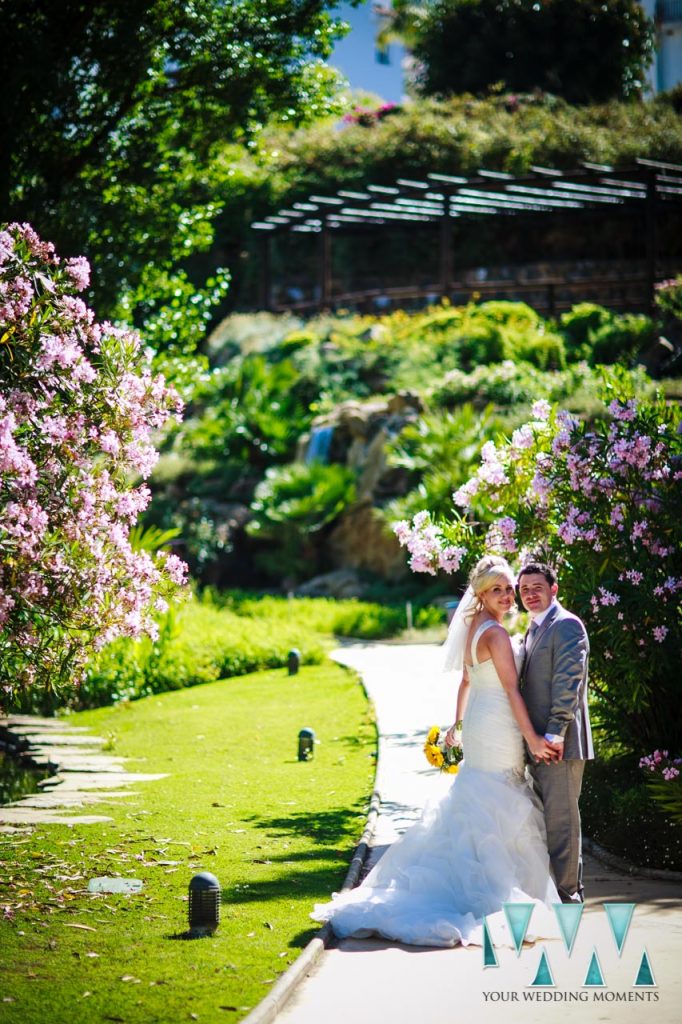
column 557, row 745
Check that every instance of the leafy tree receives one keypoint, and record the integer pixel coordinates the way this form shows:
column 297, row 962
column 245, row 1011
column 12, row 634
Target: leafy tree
column 111, row 114
column 584, row 50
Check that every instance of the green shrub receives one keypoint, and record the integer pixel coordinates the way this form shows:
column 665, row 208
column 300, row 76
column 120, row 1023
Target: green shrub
column 512, row 383
column 600, row 336
column 304, row 495
column 481, row 342
column 615, row 796
column 198, row 645
column 323, row 615
column 622, row 339
column 230, row 633
column 577, row 324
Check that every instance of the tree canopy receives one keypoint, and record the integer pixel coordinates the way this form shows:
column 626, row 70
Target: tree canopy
column 586, row 51
column 110, row 115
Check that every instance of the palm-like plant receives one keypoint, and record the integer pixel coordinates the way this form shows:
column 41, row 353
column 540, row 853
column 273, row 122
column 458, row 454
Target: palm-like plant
column 440, row 450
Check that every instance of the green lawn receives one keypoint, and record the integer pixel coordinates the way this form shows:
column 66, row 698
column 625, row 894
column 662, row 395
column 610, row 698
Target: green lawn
column 278, row 834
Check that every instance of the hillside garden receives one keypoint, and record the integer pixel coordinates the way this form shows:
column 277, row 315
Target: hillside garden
column 152, row 439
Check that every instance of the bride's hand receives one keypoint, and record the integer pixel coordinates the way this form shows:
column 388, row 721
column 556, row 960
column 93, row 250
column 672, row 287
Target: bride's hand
column 453, row 737
column 542, row 750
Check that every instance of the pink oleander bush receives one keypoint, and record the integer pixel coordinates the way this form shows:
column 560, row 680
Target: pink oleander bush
column 664, row 778
column 600, row 501
column 78, row 410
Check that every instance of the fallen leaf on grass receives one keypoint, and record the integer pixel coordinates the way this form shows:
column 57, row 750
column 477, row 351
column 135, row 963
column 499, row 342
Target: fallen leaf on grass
column 83, row 927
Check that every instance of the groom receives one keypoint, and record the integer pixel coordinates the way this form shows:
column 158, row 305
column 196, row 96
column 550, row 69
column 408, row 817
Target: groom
column 554, row 688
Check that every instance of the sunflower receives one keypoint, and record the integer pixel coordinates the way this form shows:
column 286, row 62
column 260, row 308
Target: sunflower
column 434, row 755
column 439, row 755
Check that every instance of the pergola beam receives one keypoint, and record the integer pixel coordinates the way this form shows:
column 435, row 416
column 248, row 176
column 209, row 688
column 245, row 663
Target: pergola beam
column 443, row 198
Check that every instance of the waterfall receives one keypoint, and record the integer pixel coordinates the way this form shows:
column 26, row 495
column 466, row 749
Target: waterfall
column 319, row 444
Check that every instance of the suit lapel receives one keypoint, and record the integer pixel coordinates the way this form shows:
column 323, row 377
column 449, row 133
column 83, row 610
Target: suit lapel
column 547, row 622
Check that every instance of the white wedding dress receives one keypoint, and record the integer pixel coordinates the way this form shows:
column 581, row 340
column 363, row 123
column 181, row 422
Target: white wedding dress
column 481, row 844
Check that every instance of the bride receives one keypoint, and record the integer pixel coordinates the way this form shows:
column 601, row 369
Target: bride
column 483, row 842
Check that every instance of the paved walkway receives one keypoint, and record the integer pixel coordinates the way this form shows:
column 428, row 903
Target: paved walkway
column 369, row 981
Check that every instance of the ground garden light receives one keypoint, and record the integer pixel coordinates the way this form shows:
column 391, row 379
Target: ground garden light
column 204, row 903
column 306, row 744
column 294, row 661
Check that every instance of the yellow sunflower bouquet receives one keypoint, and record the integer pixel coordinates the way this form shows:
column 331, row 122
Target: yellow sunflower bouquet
column 439, row 755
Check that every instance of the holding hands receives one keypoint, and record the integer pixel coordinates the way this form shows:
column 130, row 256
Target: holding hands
column 542, row 750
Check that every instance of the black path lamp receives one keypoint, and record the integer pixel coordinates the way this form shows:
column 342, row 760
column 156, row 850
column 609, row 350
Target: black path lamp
column 294, row 661
column 306, row 744
column 204, row 903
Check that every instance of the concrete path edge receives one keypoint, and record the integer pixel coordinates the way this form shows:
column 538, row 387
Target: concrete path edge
column 267, row 1010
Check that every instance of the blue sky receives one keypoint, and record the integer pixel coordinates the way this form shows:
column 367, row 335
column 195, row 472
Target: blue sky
column 355, row 55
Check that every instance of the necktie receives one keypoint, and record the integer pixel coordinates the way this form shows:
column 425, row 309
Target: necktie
column 530, row 637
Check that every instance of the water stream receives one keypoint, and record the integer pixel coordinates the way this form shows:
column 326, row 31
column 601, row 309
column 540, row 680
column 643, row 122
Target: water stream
column 18, row 779
column 319, row 444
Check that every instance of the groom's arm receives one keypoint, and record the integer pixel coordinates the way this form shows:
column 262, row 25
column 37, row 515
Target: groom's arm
column 569, row 660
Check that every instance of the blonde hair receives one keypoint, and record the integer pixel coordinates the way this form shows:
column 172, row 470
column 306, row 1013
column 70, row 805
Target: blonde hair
column 484, row 575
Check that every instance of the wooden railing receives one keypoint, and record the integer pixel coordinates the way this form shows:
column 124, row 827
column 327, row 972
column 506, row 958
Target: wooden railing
column 549, row 295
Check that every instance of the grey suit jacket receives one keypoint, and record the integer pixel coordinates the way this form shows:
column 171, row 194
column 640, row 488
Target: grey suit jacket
column 554, row 682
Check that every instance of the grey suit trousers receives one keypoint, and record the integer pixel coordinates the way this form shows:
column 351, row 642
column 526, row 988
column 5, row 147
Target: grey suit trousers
column 558, row 785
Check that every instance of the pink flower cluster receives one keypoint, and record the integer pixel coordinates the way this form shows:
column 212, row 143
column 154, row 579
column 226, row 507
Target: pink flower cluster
column 501, row 537
column 425, row 543
column 78, row 412
column 660, row 761
column 603, row 499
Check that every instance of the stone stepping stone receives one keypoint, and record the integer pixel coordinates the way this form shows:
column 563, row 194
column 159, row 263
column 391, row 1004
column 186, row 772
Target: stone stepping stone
column 83, row 775
column 31, row 723
column 35, row 816
column 75, row 781
column 74, row 798
column 73, row 760
column 63, row 739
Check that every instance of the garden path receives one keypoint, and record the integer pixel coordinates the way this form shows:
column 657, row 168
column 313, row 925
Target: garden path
column 82, row 773
column 363, row 981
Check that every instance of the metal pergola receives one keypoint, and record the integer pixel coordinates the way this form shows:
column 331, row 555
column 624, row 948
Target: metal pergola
column 648, row 189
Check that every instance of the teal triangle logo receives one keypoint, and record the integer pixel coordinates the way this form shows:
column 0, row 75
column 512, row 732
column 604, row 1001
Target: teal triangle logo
column 619, row 915
column 568, row 915
column 543, row 974
column 518, row 916
column 489, row 955
column 645, row 976
column 594, row 977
